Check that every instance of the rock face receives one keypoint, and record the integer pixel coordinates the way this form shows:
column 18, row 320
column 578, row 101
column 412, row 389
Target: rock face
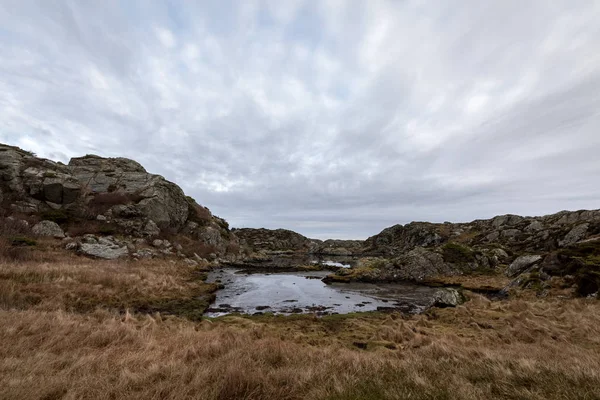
column 521, row 264
column 116, row 193
column 333, row 247
column 273, row 240
column 510, row 232
column 48, row 228
column 283, row 240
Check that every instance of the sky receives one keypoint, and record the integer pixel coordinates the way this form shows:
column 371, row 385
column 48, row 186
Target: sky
column 332, row 118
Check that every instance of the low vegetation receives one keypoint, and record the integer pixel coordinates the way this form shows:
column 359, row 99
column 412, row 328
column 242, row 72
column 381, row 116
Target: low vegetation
column 583, row 262
column 76, row 328
column 458, row 254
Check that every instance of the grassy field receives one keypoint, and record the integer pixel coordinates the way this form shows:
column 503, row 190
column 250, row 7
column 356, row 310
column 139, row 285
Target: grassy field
column 74, row 328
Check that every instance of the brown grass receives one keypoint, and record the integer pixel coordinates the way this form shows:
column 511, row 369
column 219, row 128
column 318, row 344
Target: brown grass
column 64, row 281
column 54, row 349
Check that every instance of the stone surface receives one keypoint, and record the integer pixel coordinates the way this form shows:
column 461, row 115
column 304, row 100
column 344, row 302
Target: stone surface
column 521, row 264
column 104, row 251
column 574, row 235
column 447, row 297
column 48, row 228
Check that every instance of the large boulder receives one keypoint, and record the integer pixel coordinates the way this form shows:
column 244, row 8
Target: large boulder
column 103, row 250
column 521, row 264
column 447, row 297
column 574, row 235
column 48, row 228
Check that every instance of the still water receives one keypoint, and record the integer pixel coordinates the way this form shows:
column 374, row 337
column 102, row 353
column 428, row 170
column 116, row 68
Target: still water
column 304, row 292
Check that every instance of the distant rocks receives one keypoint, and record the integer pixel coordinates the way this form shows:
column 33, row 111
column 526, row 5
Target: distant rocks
column 273, row 240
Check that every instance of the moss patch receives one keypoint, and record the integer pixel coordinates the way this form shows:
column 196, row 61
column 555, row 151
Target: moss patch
column 583, row 262
column 457, row 254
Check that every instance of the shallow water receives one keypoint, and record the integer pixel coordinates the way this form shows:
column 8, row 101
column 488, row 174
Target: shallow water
column 304, row 292
column 331, row 263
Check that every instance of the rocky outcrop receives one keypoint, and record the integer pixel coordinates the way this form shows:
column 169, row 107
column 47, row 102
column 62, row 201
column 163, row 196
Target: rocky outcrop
column 117, row 194
column 283, row 240
column 274, row 240
column 528, row 249
column 512, row 233
column 334, row 247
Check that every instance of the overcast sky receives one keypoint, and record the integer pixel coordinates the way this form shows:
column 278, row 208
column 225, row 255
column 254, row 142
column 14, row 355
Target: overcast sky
column 331, row 118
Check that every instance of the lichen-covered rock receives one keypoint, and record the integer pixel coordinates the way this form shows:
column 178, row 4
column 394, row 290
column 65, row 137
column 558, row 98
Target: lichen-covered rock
column 447, row 297
column 105, row 251
column 521, row 264
column 574, row 235
column 48, row 228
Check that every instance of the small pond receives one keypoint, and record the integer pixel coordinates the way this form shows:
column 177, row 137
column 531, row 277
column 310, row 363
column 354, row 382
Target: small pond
column 304, row 292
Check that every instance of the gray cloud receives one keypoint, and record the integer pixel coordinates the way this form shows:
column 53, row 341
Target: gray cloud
column 335, row 119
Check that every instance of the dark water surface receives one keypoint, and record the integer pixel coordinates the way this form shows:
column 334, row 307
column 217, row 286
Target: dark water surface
column 304, row 292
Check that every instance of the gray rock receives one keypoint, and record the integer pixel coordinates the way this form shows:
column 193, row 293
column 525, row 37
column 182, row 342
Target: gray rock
column 501, row 254
column 107, row 241
column 521, row 264
column 144, row 253
column 576, row 234
column 89, row 238
column 103, row 251
column 101, row 217
column 447, row 297
column 510, row 233
column 492, row 237
column 48, row 228
column 191, row 262
column 71, row 246
column 157, row 243
column 150, row 229
column 534, row 226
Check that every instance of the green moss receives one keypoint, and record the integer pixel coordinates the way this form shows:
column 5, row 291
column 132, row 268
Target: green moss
column 22, row 241
column 457, row 254
column 583, row 262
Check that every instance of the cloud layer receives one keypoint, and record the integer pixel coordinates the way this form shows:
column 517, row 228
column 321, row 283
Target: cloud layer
column 331, row 118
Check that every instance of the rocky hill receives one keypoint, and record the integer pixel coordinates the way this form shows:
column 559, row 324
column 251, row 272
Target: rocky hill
column 512, row 232
column 528, row 249
column 274, row 240
column 283, row 240
column 93, row 199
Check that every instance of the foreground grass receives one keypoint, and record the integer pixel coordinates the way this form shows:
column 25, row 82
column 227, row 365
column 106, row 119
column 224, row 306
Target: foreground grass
column 54, row 348
column 58, row 280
